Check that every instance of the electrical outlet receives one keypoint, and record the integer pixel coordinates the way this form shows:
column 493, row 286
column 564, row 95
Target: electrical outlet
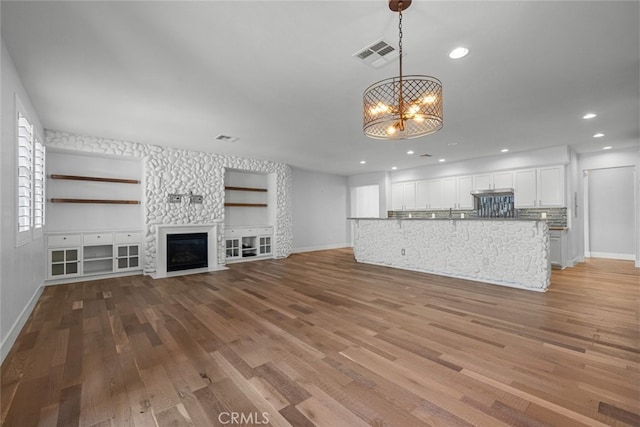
column 402, row 252
column 174, row 198
column 196, row 199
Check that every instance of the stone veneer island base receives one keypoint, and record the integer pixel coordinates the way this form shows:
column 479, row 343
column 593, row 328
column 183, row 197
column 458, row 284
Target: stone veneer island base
column 511, row 253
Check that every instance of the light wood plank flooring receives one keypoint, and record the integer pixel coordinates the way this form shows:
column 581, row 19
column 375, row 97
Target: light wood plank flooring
column 317, row 339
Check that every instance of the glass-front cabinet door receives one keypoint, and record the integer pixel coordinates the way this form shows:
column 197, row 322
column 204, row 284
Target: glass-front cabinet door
column 63, row 262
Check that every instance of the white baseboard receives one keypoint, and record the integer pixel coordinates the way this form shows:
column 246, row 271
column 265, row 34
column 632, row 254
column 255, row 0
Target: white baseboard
column 320, row 248
column 612, row 255
column 90, row 277
column 577, row 260
column 17, row 326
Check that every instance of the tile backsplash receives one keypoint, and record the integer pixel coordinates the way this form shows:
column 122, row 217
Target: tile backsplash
column 556, row 217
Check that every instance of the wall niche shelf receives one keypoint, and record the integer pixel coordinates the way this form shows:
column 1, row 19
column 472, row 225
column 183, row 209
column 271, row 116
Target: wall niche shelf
column 261, row 190
column 247, row 205
column 101, row 201
column 95, row 178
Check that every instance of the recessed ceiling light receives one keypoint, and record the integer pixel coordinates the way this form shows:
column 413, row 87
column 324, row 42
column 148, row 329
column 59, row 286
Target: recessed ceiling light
column 442, row 160
column 362, row 162
column 504, row 150
column 451, row 144
column 394, row 168
column 459, row 52
column 589, row 116
column 410, row 152
column 608, row 147
column 598, row 135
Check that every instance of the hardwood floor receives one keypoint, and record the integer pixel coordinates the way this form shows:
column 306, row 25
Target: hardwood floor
column 317, row 339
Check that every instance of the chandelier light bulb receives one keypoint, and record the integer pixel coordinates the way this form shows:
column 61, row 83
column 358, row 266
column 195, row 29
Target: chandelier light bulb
column 429, row 99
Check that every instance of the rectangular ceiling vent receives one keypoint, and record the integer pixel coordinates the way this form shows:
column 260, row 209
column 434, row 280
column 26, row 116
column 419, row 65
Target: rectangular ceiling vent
column 227, row 138
column 377, row 54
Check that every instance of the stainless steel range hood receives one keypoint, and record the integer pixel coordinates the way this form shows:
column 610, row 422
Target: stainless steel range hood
column 493, row 192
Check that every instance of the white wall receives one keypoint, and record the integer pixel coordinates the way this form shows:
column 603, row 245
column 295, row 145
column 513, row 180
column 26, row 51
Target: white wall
column 21, row 268
column 603, row 160
column 319, row 211
column 611, row 213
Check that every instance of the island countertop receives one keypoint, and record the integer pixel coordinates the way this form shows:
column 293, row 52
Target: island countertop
column 448, row 219
column 504, row 251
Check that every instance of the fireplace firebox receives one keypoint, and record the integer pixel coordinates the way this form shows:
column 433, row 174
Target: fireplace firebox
column 187, row 251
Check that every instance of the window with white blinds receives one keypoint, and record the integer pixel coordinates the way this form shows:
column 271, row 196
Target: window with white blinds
column 25, row 173
column 30, row 182
column 38, row 184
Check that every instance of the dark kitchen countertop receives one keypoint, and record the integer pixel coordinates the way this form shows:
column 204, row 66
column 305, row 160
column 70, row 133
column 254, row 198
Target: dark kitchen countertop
column 453, row 219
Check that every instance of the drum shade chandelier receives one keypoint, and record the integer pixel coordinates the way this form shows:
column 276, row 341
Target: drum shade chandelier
column 402, row 107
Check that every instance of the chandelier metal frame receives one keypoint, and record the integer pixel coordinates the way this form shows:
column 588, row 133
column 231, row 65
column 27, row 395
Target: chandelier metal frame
column 402, row 107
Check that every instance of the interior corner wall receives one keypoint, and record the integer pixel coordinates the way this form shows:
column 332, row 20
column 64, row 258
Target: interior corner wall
column 170, row 170
column 319, row 211
column 611, row 159
column 22, row 268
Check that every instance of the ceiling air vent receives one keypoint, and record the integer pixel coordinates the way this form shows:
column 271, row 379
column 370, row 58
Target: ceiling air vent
column 377, row 54
column 425, row 155
column 227, row 138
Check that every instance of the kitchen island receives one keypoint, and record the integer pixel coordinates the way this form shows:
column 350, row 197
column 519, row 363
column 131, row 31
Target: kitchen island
column 507, row 252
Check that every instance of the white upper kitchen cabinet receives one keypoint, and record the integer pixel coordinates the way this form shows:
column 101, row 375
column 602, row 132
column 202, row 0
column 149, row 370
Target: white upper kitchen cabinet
column 403, row 196
column 503, row 179
column 450, row 193
column 422, row 194
column 435, row 194
column 551, row 186
column 483, row 182
column 540, row 188
column 429, row 194
column 490, row 181
column 465, row 187
column 525, row 191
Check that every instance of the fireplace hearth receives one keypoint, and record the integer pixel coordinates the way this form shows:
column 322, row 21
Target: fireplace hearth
column 187, row 251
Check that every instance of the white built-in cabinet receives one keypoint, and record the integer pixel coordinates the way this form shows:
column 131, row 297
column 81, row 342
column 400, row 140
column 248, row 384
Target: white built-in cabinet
column 403, row 196
column 248, row 243
column 465, row 187
column 80, row 254
column 429, row 194
column 490, row 181
column 539, row 187
column 445, row 193
column 551, row 186
column 450, row 193
column 536, row 187
column 525, row 189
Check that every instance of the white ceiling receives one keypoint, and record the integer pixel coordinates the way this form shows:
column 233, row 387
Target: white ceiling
column 281, row 77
